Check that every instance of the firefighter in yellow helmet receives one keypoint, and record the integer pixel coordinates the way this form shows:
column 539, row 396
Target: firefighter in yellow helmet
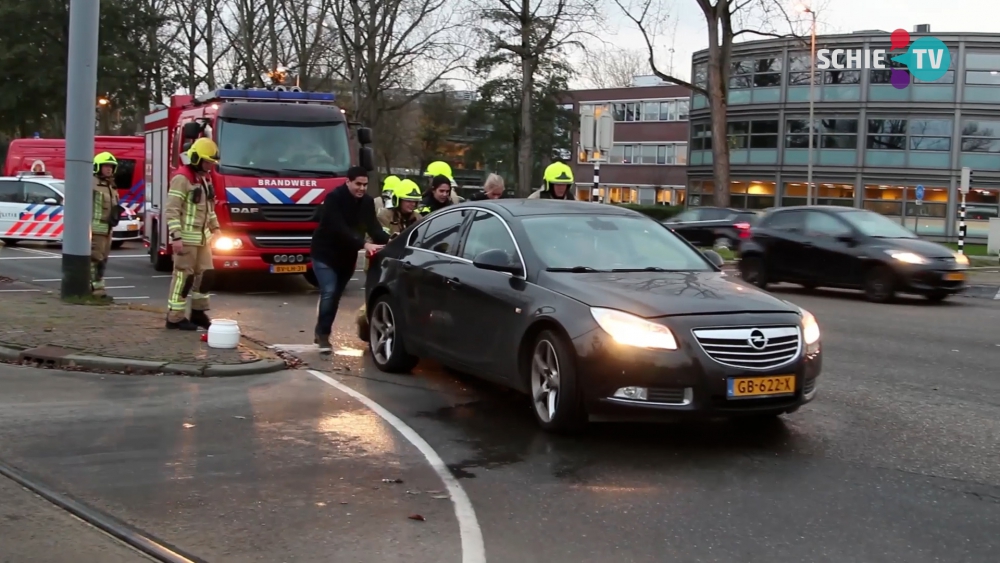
column 405, row 199
column 388, row 188
column 441, row 168
column 105, row 216
column 557, row 183
column 191, row 226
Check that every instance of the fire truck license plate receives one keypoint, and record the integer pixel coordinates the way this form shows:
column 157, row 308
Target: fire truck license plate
column 288, row 269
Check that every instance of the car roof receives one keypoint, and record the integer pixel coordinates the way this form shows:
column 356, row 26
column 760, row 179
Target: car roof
column 830, row 208
column 42, row 179
column 530, row 207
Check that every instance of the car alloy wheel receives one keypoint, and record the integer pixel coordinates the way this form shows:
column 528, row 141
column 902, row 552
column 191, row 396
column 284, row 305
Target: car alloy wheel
column 880, row 285
column 385, row 339
column 545, row 380
column 752, row 271
column 382, row 335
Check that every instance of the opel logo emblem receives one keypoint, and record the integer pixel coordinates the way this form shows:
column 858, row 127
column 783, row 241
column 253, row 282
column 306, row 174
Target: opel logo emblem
column 757, row 340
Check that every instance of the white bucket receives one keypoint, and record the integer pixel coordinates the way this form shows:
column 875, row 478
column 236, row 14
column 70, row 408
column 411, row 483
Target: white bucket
column 223, row 333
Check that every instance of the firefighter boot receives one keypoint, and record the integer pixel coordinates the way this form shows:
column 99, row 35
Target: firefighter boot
column 201, row 320
column 182, row 324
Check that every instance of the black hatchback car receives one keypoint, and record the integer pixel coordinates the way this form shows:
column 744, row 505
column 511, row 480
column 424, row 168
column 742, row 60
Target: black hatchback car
column 713, row 227
column 843, row 247
column 592, row 310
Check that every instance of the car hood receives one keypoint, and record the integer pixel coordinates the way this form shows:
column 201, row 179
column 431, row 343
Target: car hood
column 659, row 294
column 917, row 246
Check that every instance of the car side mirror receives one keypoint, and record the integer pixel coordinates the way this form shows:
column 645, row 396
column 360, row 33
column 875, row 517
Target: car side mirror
column 714, row 257
column 498, row 261
column 51, row 201
column 848, row 239
column 191, row 130
column 364, row 135
column 366, row 158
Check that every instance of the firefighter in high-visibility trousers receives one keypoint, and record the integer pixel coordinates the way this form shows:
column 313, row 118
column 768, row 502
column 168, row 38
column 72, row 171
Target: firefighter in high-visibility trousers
column 441, row 168
column 191, row 225
column 103, row 219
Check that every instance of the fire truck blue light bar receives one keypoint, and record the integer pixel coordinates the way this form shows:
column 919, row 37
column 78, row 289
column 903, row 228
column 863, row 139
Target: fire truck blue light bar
column 268, row 95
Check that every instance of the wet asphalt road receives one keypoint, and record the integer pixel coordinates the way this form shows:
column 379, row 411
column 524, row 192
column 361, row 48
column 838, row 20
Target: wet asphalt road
column 896, row 460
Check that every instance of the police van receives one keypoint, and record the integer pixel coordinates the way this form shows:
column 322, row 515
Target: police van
column 31, row 209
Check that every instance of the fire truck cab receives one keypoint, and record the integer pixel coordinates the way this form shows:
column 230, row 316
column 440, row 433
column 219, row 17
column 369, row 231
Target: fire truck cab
column 281, row 151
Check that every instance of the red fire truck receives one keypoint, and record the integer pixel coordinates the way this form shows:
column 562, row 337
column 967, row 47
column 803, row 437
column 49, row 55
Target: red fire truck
column 281, row 152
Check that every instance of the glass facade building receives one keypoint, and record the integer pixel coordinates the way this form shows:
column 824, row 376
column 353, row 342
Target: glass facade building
column 873, row 143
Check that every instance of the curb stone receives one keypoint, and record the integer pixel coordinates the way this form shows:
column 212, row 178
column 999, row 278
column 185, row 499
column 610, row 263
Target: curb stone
column 80, row 361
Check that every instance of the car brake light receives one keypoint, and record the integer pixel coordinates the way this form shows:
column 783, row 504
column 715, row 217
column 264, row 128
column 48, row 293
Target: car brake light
column 744, row 229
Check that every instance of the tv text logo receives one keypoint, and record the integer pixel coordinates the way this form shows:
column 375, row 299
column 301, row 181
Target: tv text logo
column 927, row 59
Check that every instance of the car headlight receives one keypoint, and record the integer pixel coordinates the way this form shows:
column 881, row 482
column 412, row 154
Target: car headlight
column 907, row 257
column 227, row 243
column 961, row 259
column 631, row 330
column 810, row 328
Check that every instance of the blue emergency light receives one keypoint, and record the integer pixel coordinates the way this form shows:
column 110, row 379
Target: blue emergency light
column 263, row 94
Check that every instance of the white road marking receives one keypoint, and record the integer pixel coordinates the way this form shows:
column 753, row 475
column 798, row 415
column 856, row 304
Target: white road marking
column 60, row 279
column 40, row 252
column 19, row 290
column 261, row 293
column 473, row 549
column 130, row 298
column 130, row 256
column 163, row 276
column 295, row 347
column 997, row 296
column 28, row 257
column 120, row 287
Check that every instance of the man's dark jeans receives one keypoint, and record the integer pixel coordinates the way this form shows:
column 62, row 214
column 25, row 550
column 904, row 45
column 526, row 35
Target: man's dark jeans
column 331, row 287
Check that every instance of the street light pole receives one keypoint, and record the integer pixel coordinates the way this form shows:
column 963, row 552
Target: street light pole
column 81, row 86
column 812, row 103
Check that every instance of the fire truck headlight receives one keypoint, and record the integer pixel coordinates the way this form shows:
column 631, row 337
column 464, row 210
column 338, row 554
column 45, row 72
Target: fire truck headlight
column 227, row 243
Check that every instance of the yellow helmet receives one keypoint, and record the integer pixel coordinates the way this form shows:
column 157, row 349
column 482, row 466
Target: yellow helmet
column 406, row 190
column 557, row 173
column 105, row 158
column 203, row 149
column 390, row 183
column 439, row 168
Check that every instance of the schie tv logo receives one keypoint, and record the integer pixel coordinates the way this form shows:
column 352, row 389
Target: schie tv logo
column 927, row 59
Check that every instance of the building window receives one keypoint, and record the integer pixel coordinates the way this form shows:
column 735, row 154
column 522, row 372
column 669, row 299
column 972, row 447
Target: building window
column 982, row 77
column 832, row 133
column 700, row 75
column 754, row 194
column 980, row 136
column 650, row 111
column 930, row 134
column 884, row 199
column 701, row 137
column 884, row 76
column 738, row 134
column 982, row 68
column 755, row 73
column 795, row 193
column 948, row 78
column 835, row 76
column 799, row 69
column 887, row 134
column 753, row 134
column 673, row 153
column 653, row 110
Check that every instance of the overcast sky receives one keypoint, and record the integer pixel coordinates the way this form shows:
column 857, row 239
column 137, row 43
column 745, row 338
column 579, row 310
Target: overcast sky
column 840, row 16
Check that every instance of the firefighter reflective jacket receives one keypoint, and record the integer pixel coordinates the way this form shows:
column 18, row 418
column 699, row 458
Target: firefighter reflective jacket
column 190, row 209
column 393, row 222
column 105, row 200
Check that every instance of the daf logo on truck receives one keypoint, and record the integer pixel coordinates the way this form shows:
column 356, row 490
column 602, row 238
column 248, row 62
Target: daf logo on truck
column 246, row 210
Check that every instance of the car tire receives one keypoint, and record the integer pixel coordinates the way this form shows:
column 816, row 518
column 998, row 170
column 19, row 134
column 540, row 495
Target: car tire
column 753, row 271
column 160, row 262
column 556, row 398
column 117, row 244
column 880, row 284
column 8, row 241
column 938, row 296
column 386, row 344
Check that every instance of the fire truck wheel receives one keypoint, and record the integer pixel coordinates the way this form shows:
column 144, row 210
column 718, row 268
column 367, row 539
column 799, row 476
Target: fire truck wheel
column 310, row 277
column 160, row 262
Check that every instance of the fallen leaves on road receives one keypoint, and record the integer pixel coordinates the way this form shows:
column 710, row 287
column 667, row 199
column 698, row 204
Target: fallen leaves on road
column 440, row 497
column 240, row 417
column 188, row 425
column 396, row 480
column 417, row 517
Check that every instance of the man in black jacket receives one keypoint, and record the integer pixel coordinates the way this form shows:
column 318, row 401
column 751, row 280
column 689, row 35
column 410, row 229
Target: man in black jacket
column 346, row 216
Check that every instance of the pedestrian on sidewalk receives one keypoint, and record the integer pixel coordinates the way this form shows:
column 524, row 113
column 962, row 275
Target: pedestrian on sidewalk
column 191, row 223
column 105, row 216
column 346, row 216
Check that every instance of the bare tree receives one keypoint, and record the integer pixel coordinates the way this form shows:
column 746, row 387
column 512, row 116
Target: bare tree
column 613, row 67
column 530, row 31
column 726, row 21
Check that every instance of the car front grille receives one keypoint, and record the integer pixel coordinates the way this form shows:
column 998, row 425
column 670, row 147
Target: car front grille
column 669, row 396
column 750, row 347
column 809, row 387
column 265, row 239
column 288, row 213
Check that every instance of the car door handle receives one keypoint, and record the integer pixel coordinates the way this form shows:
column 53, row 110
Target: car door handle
column 406, row 265
column 454, row 283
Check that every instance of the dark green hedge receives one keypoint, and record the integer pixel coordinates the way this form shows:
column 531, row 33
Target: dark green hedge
column 658, row 212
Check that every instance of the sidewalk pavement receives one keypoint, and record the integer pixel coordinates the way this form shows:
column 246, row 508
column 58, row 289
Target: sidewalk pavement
column 37, row 327
column 34, row 530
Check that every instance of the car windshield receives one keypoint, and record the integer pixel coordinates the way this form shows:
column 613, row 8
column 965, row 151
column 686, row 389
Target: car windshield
column 284, row 148
column 609, row 243
column 875, row 225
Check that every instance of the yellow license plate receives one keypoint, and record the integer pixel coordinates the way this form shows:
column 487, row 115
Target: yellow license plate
column 768, row 386
column 288, row 269
column 954, row 276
